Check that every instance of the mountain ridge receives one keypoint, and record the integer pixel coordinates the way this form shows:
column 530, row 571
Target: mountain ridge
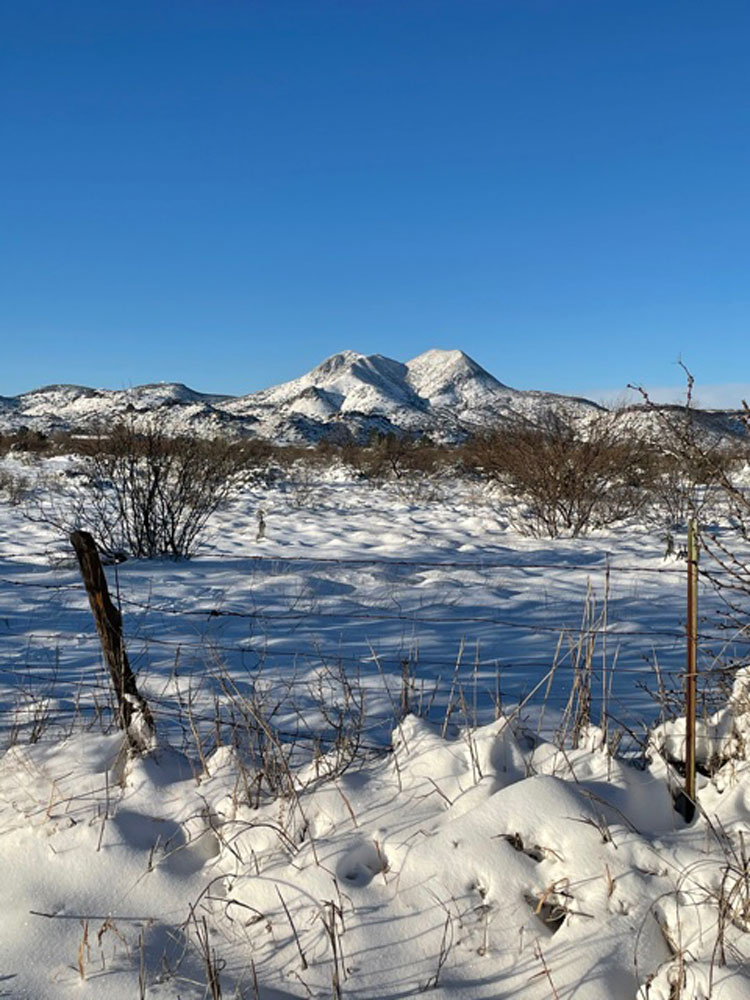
column 442, row 393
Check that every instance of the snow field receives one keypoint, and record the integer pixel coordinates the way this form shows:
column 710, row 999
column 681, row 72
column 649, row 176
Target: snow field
column 461, row 860
column 480, row 866
column 357, row 579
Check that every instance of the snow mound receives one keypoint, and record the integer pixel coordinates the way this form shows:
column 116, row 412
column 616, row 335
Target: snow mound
column 482, row 866
column 722, row 737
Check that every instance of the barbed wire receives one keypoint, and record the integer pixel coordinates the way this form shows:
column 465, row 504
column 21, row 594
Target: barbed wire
column 499, row 664
column 610, row 630
column 42, row 586
column 91, row 679
column 571, row 630
column 478, row 564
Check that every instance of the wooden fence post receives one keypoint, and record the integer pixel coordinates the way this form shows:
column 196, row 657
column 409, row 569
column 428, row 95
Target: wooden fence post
column 133, row 715
column 691, row 675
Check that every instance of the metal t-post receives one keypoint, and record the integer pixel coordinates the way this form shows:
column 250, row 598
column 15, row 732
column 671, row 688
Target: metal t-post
column 691, row 675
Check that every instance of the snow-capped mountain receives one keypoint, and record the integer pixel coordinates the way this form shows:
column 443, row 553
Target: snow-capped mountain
column 442, row 393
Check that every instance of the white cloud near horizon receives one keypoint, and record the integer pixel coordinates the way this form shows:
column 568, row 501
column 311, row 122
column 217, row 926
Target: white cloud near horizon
column 719, row 396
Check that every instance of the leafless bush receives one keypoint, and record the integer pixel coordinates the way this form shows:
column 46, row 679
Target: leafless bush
column 397, row 457
column 419, row 488
column 13, row 487
column 707, row 477
column 385, row 457
column 732, row 483
column 570, row 477
column 26, row 440
column 302, row 483
column 678, row 492
column 142, row 493
column 691, row 464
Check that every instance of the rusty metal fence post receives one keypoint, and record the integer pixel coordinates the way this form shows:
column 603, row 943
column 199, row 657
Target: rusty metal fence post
column 691, row 673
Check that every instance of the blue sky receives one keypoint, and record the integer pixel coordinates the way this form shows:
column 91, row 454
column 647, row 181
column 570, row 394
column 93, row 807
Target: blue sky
column 224, row 193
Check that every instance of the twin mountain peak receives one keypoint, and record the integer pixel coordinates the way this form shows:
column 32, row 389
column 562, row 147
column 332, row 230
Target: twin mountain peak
column 441, row 393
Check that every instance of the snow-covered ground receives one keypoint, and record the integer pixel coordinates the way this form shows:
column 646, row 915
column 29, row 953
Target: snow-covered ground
column 458, row 851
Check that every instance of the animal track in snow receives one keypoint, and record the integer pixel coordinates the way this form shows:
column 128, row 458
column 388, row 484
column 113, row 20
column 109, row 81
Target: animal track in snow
column 360, row 865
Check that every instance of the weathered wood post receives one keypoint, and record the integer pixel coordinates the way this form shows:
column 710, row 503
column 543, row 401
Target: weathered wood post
column 691, row 674
column 133, row 714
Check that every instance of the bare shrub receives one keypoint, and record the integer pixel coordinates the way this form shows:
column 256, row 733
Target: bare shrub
column 13, row 487
column 570, row 476
column 726, row 542
column 693, row 464
column 302, row 483
column 385, row 457
column 419, row 488
column 27, row 440
column 397, row 457
column 142, row 493
column 28, row 445
column 705, row 475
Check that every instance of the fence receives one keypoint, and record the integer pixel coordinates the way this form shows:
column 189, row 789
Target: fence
column 306, row 639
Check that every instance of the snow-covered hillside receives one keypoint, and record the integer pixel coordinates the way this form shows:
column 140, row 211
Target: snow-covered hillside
column 442, row 393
